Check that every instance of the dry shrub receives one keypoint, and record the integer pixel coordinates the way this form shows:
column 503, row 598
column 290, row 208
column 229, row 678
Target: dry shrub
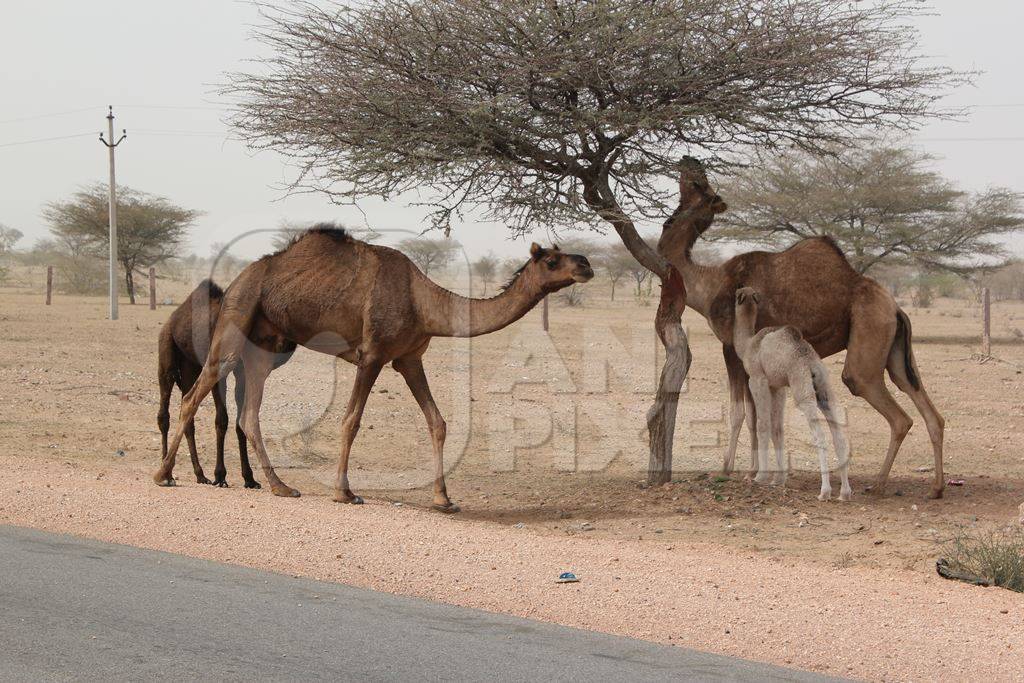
column 81, row 275
column 571, row 297
column 994, row 557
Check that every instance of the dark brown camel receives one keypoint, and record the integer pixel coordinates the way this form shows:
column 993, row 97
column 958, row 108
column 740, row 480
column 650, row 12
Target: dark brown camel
column 812, row 287
column 183, row 347
column 367, row 304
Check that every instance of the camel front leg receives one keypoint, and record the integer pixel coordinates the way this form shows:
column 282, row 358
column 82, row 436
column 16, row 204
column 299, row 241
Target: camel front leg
column 366, row 375
column 737, row 398
column 220, row 472
column 412, row 370
column 761, row 396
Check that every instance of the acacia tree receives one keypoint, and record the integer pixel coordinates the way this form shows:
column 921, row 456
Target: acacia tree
column 429, row 253
column 150, row 229
column 571, row 112
column 880, row 203
column 485, row 268
column 8, row 238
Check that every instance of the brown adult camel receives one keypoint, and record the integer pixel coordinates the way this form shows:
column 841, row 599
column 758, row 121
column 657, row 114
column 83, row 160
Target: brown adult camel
column 182, row 350
column 812, row 287
column 367, row 304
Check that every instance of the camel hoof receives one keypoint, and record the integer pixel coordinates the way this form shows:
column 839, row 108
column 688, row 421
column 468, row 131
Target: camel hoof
column 284, row 491
column 448, row 508
column 351, row 499
column 252, row 484
column 220, row 483
column 762, row 479
column 845, row 496
column 166, row 481
column 824, row 496
column 203, row 480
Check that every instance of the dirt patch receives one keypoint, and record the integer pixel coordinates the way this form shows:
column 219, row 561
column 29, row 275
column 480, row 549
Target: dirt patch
column 546, row 449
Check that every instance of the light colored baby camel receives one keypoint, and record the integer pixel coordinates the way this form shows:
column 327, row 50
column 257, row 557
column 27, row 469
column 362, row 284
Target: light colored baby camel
column 775, row 358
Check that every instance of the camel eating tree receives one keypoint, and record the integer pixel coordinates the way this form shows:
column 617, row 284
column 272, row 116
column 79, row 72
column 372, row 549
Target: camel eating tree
column 367, row 304
column 570, row 113
column 811, row 287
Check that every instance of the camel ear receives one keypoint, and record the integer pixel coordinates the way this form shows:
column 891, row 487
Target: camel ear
column 536, row 251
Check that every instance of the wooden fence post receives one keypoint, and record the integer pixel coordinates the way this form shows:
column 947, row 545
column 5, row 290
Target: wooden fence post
column 545, row 314
column 152, row 289
column 986, row 331
column 49, row 284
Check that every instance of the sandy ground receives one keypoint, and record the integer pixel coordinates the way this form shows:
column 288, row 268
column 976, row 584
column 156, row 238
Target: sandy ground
column 546, row 453
column 882, row 624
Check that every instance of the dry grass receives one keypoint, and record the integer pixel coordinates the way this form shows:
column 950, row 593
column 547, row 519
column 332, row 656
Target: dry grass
column 994, row 557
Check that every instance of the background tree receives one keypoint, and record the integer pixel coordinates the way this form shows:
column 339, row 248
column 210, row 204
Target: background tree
column 486, row 268
column 616, row 262
column 429, row 253
column 8, row 238
column 150, row 229
column 880, row 203
column 565, row 113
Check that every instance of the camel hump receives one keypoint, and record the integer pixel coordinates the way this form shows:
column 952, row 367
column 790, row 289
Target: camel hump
column 332, row 231
column 210, row 288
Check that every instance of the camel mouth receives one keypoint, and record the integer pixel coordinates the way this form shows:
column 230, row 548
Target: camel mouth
column 583, row 275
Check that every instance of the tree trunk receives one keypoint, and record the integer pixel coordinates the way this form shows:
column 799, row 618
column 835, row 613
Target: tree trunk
column 661, row 418
column 613, row 290
column 129, row 281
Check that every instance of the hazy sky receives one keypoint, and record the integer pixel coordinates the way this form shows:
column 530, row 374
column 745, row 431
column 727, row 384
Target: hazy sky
column 158, row 64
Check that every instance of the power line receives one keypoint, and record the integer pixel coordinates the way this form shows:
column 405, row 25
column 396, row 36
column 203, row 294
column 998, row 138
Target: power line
column 49, row 114
column 59, row 137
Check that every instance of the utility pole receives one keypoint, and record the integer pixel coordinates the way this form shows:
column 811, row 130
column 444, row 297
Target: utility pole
column 111, row 146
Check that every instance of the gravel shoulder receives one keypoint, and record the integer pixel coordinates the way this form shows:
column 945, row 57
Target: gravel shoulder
column 874, row 623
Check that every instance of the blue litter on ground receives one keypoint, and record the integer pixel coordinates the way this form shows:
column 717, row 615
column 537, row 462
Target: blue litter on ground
column 567, row 577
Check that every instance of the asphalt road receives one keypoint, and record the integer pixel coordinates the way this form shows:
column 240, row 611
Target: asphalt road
column 84, row 610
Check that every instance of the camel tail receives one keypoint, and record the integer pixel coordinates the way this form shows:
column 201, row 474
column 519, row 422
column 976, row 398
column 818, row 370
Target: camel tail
column 902, row 343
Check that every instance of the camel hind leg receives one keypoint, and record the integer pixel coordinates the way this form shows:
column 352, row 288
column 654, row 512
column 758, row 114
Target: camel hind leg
column 257, row 365
column 903, row 371
column 871, row 334
column 412, row 370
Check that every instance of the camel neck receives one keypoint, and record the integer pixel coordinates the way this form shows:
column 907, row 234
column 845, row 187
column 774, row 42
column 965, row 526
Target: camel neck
column 447, row 314
column 743, row 331
column 702, row 282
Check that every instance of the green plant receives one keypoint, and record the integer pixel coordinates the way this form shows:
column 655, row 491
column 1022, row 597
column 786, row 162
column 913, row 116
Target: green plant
column 993, row 557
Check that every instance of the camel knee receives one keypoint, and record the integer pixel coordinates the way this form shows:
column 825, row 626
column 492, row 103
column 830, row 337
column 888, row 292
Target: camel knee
column 163, row 420
column 901, row 425
column 438, row 427
column 851, row 383
column 221, row 422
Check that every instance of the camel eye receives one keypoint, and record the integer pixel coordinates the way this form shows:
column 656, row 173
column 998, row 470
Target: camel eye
column 552, row 263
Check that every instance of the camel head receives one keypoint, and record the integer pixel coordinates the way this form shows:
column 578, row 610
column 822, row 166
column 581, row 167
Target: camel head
column 696, row 195
column 698, row 206
column 551, row 269
column 747, row 300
